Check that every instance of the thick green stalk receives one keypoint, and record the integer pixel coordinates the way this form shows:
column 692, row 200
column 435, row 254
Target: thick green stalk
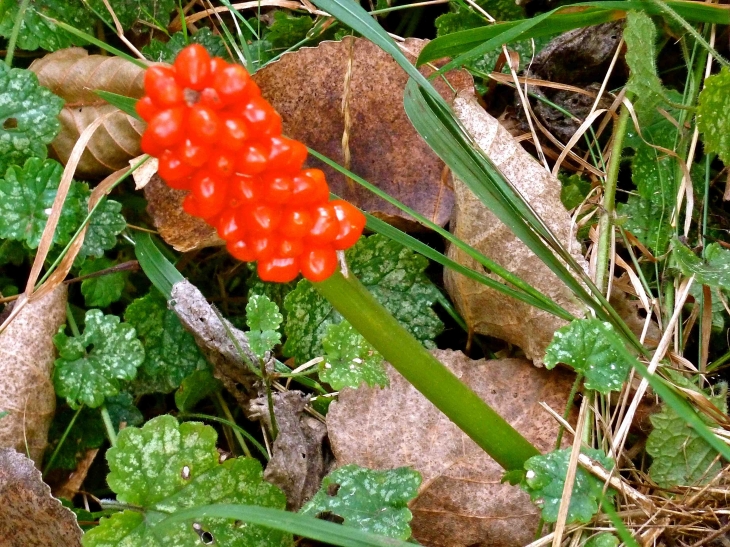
column 429, row 376
column 605, row 224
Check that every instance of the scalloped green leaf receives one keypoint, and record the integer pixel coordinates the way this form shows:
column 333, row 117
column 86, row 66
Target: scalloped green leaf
column 264, row 319
column 101, row 291
column 105, row 225
column 680, row 455
column 713, row 114
column 349, row 359
column 129, row 11
column 171, row 353
column 373, row 501
column 640, row 37
column 713, row 271
column 165, row 467
column 392, row 273
column 165, row 52
column 589, row 346
column 604, row 539
column 545, row 480
column 91, row 365
column 37, row 31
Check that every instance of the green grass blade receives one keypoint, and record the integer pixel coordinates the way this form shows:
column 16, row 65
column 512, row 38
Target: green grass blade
column 294, row 523
column 158, row 269
column 125, row 104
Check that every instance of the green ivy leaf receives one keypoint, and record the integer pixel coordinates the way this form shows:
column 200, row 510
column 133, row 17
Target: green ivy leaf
column 350, row 360
column 463, row 18
column 101, row 291
column 574, row 190
column 264, row 319
column 122, row 410
column 640, row 37
column 545, row 479
column 276, row 292
column 373, row 501
column 680, row 455
column 171, row 353
column 195, row 388
column 604, row 539
column 36, row 31
column 165, row 52
column 713, row 114
column 287, row 30
column 589, row 346
column 26, row 198
column 713, row 271
column 104, row 225
column 391, row 272
column 129, row 11
column 164, row 467
column 90, row 365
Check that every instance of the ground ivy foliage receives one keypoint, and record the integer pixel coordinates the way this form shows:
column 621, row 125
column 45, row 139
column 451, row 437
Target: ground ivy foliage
column 713, row 271
column 164, row 467
column 264, row 320
column 545, row 479
column 165, row 52
column 28, row 116
column 104, row 225
column 604, row 539
column 590, row 347
column 102, row 290
column 349, row 359
column 680, row 455
column 391, row 272
column 91, row 365
column 713, row 114
column 171, row 353
column 640, row 38
column 373, row 501
column 36, row 31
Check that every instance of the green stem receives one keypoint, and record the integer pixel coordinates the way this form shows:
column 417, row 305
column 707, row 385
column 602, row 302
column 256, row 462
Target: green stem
column 236, row 432
column 605, row 223
column 234, row 426
column 15, row 32
column 72, row 321
column 568, row 407
column 49, row 465
column 429, row 376
column 110, row 431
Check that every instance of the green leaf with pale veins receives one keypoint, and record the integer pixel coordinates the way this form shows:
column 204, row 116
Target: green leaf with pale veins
column 104, row 225
column 604, row 539
column 164, row 467
column 37, row 31
column 101, row 291
column 373, row 501
column 128, row 11
column 713, row 271
column 640, row 37
column 545, row 479
column 165, row 52
column 681, row 456
column 171, row 353
column 91, row 365
column 263, row 318
column 28, row 116
column 589, row 346
column 350, row 360
column 713, row 114
column 26, row 198
column 391, row 272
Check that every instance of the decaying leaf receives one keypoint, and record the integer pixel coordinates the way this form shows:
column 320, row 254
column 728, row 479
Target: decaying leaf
column 74, row 75
column 461, row 501
column 26, row 365
column 307, row 88
column 29, row 515
column 485, row 310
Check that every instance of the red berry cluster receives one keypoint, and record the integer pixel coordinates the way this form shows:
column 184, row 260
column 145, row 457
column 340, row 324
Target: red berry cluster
column 215, row 136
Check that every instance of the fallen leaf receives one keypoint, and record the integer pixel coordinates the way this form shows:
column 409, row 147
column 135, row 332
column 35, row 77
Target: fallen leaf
column 72, row 485
column 26, row 365
column 74, row 75
column 307, row 87
column 487, row 311
column 29, row 515
column 461, row 502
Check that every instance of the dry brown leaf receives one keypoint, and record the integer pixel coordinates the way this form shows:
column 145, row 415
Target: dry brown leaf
column 461, row 502
column 485, row 310
column 307, row 86
column 72, row 485
column 74, row 75
column 26, row 364
column 29, row 515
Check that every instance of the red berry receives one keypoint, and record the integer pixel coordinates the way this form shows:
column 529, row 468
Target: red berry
column 251, row 159
column 192, row 67
column 209, row 97
column 239, row 249
column 233, row 83
column 318, row 264
column 193, row 154
column 216, row 65
column 160, row 85
column 244, row 190
column 352, row 223
column 172, row 170
column 325, row 227
column 209, row 193
column 289, row 247
column 204, row 124
column 262, row 246
column 286, row 155
column 278, row 270
column 310, row 188
column 146, row 108
column 222, row 164
column 233, row 133
column 260, row 219
column 295, row 223
column 228, row 225
column 165, row 130
column 277, row 188
column 261, row 117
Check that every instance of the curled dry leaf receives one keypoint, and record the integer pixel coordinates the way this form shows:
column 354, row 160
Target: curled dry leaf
column 307, row 88
column 485, row 310
column 29, row 515
column 74, row 75
column 26, row 365
column 461, row 501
